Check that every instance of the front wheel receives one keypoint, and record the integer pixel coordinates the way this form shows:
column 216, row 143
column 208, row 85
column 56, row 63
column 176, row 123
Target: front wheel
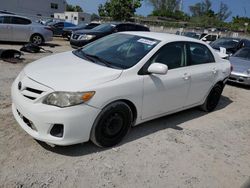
column 212, row 99
column 112, row 124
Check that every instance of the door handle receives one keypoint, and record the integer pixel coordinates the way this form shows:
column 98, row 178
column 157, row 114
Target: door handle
column 186, row 76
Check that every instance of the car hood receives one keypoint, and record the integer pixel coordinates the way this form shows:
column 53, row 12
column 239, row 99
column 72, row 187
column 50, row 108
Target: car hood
column 67, row 72
column 239, row 65
column 73, row 28
column 89, row 32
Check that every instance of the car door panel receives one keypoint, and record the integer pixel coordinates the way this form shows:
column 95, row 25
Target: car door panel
column 202, row 80
column 21, row 29
column 165, row 93
column 6, row 29
column 203, row 72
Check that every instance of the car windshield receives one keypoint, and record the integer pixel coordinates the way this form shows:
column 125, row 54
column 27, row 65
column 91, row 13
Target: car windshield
column 104, row 28
column 243, row 53
column 225, row 42
column 118, row 50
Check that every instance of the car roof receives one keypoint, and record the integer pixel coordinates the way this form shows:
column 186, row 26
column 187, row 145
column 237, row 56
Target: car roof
column 164, row 36
column 120, row 23
column 14, row 15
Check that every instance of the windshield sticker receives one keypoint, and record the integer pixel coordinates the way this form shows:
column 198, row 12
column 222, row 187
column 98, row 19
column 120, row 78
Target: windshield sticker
column 146, row 41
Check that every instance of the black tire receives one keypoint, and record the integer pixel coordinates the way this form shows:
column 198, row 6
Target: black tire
column 112, row 124
column 212, row 99
column 36, row 39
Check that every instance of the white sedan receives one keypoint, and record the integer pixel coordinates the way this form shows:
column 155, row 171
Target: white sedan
column 100, row 91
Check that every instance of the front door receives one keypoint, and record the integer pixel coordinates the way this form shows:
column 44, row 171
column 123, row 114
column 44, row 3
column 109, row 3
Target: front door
column 166, row 93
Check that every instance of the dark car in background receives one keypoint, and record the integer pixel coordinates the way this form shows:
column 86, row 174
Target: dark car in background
column 232, row 45
column 57, row 27
column 81, row 38
column 68, row 31
column 240, row 62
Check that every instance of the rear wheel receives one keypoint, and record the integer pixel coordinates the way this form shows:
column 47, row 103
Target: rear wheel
column 36, row 39
column 112, row 124
column 212, row 99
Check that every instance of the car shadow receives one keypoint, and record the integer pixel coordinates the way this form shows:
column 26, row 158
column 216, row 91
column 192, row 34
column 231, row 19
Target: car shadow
column 238, row 85
column 167, row 122
column 50, row 44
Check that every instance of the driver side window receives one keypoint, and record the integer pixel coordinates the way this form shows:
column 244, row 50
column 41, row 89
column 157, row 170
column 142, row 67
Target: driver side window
column 173, row 55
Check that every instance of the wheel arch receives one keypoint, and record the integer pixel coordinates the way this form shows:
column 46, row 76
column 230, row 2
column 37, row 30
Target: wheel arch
column 131, row 105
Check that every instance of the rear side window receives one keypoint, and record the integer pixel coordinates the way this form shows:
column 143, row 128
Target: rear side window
column 199, row 54
column 66, row 24
column 59, row 24
column 5, row 20
column 20, row 21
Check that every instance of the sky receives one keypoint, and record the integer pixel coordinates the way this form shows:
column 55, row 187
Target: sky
column 238, row 7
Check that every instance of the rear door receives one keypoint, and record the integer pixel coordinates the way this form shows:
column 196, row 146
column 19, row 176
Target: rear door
column 21, row 29
column 202, row 70
column 6, row 30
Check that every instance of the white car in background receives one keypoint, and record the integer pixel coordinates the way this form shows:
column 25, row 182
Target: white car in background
column 99, row 91
column 14, row 28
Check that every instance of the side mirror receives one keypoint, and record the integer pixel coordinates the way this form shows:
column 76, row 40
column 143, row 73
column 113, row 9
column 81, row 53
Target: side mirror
column 204, row 39
column 158, row 68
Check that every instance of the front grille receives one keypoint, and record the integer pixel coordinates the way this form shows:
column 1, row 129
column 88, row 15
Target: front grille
column 29, row 97
column 31, row 93
column 34, row 90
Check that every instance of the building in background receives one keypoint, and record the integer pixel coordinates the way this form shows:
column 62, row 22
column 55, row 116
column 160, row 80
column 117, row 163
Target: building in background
column 74, row 17
column 38, row 8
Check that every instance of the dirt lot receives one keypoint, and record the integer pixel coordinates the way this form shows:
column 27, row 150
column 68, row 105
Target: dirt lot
column 187, row 149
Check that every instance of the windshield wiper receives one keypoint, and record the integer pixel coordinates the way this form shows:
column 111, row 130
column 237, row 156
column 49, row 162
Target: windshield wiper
column 81, row 54
column 105, row 62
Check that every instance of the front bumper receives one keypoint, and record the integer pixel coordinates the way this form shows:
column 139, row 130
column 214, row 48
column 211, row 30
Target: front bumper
column 77, row 121
column 78, row 43
column 239, row 78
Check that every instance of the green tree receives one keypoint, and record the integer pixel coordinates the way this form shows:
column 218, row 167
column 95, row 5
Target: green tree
column 168, row 8
column 165, row 5
column 72, row 8
column 201, row 8
column 94, row 17
column 119, row 9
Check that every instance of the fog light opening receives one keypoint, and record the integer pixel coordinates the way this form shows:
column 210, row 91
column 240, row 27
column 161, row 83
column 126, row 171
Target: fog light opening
column 57, row 130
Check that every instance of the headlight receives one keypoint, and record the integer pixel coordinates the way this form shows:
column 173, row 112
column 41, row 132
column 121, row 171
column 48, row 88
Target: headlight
column 66, row 99
column 86, row 37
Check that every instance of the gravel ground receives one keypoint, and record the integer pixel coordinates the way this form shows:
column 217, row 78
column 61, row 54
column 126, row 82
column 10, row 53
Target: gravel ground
column 187, row 149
